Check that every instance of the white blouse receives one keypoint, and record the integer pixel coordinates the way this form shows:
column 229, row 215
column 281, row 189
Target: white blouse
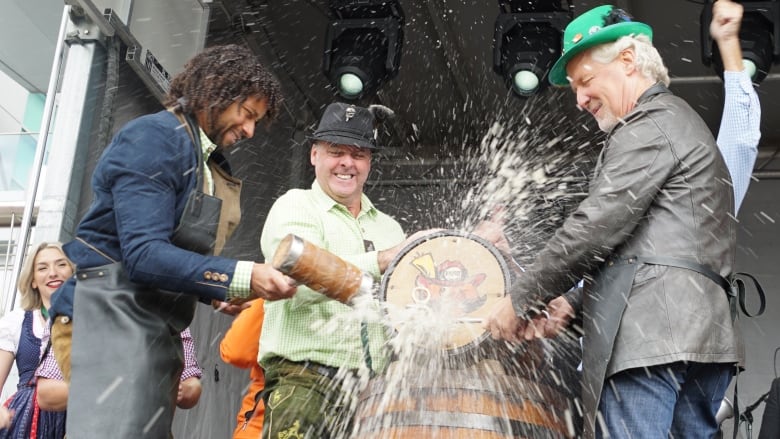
column 11, row 329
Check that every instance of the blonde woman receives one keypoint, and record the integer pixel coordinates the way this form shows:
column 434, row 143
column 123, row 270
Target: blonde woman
column 21, row 332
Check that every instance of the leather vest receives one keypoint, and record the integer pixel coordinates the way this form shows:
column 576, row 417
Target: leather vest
column 228, row 189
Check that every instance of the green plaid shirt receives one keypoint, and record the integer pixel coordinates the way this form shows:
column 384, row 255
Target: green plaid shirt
column 310, row 326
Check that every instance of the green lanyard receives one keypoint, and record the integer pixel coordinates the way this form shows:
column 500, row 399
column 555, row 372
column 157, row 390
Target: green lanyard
column 45, row 313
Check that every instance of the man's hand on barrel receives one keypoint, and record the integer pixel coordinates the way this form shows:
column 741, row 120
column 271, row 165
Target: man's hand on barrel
column 503, row 323
column 559, row 314
column 270, row 284
column 548, row 322
column 492, row 230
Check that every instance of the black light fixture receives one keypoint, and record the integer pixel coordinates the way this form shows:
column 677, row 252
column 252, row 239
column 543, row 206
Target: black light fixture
column 527, row 41
column 759, row 36
column 362, row 45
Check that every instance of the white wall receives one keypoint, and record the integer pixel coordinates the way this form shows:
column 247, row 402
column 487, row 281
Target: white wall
column 13, row 100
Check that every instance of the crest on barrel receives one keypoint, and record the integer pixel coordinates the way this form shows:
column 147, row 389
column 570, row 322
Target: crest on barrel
column 452, row 277
column 447, row 281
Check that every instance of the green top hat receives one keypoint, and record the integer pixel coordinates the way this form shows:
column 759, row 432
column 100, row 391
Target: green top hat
column 600, row 25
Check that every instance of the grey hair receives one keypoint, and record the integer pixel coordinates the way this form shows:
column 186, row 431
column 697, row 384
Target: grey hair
column 646, row 57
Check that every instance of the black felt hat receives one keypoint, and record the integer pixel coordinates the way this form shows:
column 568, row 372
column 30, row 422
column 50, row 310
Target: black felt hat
column 348, row 124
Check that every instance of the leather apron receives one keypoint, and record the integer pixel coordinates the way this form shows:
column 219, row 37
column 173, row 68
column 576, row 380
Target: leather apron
column 603, row 307
column 127, row 356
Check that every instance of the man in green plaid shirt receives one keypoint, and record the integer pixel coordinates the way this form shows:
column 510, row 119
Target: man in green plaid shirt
column 314, row 349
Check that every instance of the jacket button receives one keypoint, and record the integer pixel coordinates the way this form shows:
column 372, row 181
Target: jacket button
column 207, row 275
column 223, row 277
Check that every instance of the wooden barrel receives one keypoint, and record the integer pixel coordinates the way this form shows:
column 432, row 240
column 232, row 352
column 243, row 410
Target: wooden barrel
column 452, row 380
column 478, row 402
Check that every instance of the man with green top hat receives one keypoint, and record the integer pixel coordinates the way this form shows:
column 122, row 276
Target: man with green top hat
column 654, row 240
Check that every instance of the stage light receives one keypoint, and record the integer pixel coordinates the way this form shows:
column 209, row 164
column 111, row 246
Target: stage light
column 759, row 36
column 755, row 37
column 750, row 66
column 362, row 46
column 525, row 46
column 526, row 80
column 350, row 84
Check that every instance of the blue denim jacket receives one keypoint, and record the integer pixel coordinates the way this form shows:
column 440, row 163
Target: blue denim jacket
column 140, row 186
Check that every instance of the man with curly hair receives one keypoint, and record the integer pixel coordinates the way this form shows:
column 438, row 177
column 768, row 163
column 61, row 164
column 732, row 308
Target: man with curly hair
column 164, row 204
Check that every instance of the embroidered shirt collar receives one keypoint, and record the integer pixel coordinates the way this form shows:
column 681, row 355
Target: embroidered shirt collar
column 206, row 148
column 206, row 145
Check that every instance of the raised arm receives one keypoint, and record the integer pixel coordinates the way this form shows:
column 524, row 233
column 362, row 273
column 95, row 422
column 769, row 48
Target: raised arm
column 740, row 125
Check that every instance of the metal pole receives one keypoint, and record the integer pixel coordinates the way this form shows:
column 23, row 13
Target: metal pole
column 6, row 267
column 35, row 172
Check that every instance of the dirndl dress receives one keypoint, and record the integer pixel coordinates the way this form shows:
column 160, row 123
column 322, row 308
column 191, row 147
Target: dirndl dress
column 29, row 422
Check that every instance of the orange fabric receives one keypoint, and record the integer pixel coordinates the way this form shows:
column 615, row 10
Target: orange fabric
column 239, row 348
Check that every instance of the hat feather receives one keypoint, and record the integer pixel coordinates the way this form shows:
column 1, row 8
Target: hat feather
column 381, row 113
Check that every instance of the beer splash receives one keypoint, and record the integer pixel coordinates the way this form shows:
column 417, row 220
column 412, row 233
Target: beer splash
column 534, row 175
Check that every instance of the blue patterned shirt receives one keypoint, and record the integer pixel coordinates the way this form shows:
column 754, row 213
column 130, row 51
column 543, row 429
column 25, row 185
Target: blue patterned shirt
column 740, row 130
